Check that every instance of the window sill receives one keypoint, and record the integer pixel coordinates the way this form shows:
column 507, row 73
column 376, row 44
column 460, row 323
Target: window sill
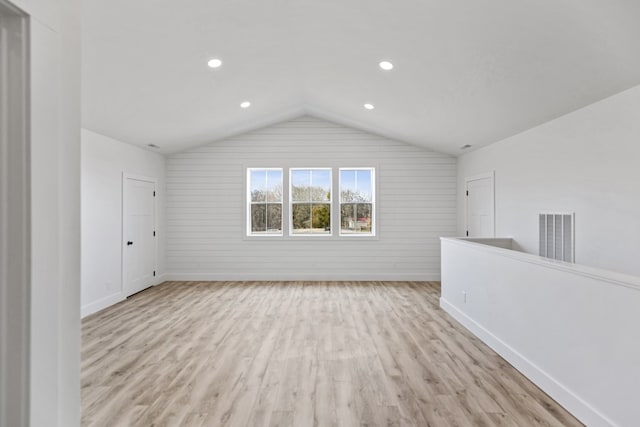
column 306, row 238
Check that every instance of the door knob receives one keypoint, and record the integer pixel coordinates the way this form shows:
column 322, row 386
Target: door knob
column 129, row 243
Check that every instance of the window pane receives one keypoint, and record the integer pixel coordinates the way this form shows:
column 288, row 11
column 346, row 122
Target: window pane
column 274, row 218
column 321, row 218
column 363, row 223
column 311, row 218
column 363, row 184
column 274, row 186
column 348, row 217
column 301, row 218
column 347, row 185
column 301, row 185
column 321, row 185
column 258, row 218
column 258, row 185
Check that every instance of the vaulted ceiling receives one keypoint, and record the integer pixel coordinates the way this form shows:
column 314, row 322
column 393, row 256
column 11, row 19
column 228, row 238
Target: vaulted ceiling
column 466, row 71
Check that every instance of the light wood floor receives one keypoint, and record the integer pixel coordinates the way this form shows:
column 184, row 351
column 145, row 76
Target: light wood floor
column 298, row 354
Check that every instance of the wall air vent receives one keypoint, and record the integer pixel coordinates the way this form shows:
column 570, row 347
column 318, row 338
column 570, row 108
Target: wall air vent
column 557, row 236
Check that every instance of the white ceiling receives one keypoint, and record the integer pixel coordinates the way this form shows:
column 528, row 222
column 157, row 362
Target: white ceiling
column 466, row 71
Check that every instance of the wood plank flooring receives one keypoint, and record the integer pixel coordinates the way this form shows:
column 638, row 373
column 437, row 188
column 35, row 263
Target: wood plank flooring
column 298, row 354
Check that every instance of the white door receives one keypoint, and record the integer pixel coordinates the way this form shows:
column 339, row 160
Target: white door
column 138, row 234
column 480, row 206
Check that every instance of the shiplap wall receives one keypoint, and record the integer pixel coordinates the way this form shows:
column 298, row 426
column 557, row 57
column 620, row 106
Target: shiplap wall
column 416, row 197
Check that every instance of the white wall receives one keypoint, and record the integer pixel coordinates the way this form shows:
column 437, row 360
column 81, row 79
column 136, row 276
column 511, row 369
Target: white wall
column 205, row 207
column 103, row 162
column 54, row 324
column 586, row 162
column 572, row 330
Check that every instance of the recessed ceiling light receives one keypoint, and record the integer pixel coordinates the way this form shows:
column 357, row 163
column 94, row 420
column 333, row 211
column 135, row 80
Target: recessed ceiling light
column 386, row 65
column 369, row 106
column 245, row 104
column 214, row 63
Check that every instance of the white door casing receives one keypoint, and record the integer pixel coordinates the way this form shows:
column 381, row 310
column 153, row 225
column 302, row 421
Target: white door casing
column 15, row 216
column 480, row 205
column 138, row 233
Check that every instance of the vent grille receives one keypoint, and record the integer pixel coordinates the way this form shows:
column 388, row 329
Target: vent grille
column 557, row 236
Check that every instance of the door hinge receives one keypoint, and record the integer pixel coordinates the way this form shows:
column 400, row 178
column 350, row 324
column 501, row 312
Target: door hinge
column 154, row 194
column 467, row 233
column 467, row 192
column 154, row 273
column 154, row 233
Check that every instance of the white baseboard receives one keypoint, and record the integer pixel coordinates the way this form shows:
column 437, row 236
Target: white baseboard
column 160, row 279
column 101, row 304
column 112, row 299
column 565, row 397
column 298, row 276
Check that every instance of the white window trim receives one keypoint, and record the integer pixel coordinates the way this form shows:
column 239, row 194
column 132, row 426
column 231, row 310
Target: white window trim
column 291, row 202
column 248, row 203
column 374, row 204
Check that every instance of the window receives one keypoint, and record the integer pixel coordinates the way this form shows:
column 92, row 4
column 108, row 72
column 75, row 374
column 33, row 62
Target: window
column 310, row 209
column 310, row 195
column 357, row 201
column 264, row 200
